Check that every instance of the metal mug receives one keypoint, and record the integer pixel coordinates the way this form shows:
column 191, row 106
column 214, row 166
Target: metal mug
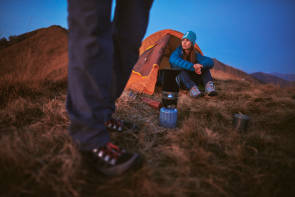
column 240, row 122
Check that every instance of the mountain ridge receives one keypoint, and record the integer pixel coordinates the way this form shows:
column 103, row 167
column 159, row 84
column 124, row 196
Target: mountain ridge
column 36, row 56
column 42, row 54
column 288, row 77
column 271, row 79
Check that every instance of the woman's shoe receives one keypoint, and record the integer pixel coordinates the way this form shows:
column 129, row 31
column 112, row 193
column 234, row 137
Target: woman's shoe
column 195, row 92
column 210, row 89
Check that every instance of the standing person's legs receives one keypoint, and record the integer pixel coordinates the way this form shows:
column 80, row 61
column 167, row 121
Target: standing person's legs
column 129, row 27
column 90, row 71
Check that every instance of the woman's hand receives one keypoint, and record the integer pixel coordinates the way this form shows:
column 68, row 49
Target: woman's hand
column 198, row 68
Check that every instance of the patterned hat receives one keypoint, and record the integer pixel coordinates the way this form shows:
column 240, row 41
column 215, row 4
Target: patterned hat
column 191, row 36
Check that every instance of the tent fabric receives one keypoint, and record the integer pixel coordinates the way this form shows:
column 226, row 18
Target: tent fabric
column 153, row 38
column 154, row 55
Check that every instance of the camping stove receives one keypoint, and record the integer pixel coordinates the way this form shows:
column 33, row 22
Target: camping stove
column 168, row 113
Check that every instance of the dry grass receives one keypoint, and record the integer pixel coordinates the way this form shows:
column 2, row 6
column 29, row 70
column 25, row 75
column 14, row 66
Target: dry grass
column 203, row 156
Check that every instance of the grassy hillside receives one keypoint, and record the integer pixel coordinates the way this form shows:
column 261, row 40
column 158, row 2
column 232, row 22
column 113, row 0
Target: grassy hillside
column 35, row 56
column 43, row 54
column 271, row 79
column 203, row 156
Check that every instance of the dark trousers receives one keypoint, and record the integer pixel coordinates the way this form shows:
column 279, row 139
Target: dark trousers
column 188, row 79
column 101, row 56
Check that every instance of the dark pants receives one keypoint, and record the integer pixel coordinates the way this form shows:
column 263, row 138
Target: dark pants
column 188, row 79
column 101, row 56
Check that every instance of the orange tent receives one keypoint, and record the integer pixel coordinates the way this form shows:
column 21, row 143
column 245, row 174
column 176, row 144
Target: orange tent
column 154, row 52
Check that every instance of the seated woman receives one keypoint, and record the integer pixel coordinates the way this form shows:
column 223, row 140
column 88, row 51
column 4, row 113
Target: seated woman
column 195, row 68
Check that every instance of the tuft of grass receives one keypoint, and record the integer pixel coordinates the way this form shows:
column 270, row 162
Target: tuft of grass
column 36, row 162
column 203, row 156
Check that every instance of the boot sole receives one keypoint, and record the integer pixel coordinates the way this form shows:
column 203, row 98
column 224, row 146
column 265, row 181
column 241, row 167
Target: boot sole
column 121, row 168
column 126, row 126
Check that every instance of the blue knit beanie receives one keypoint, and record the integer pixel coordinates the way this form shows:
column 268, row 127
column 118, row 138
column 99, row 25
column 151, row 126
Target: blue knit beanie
column 191, row 36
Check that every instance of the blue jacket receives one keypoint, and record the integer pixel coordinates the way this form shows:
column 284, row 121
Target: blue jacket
column 176, row 60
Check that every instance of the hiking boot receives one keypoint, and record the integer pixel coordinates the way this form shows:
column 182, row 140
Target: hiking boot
column 210, row 89
column 118, row 125
column 195, row 92
column 110, row 160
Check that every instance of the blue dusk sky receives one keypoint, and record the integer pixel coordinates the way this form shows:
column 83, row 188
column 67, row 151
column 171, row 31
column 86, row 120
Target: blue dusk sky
column 251, row 35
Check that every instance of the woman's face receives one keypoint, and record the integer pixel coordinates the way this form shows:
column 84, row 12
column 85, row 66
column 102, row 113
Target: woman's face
column 186, row 44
